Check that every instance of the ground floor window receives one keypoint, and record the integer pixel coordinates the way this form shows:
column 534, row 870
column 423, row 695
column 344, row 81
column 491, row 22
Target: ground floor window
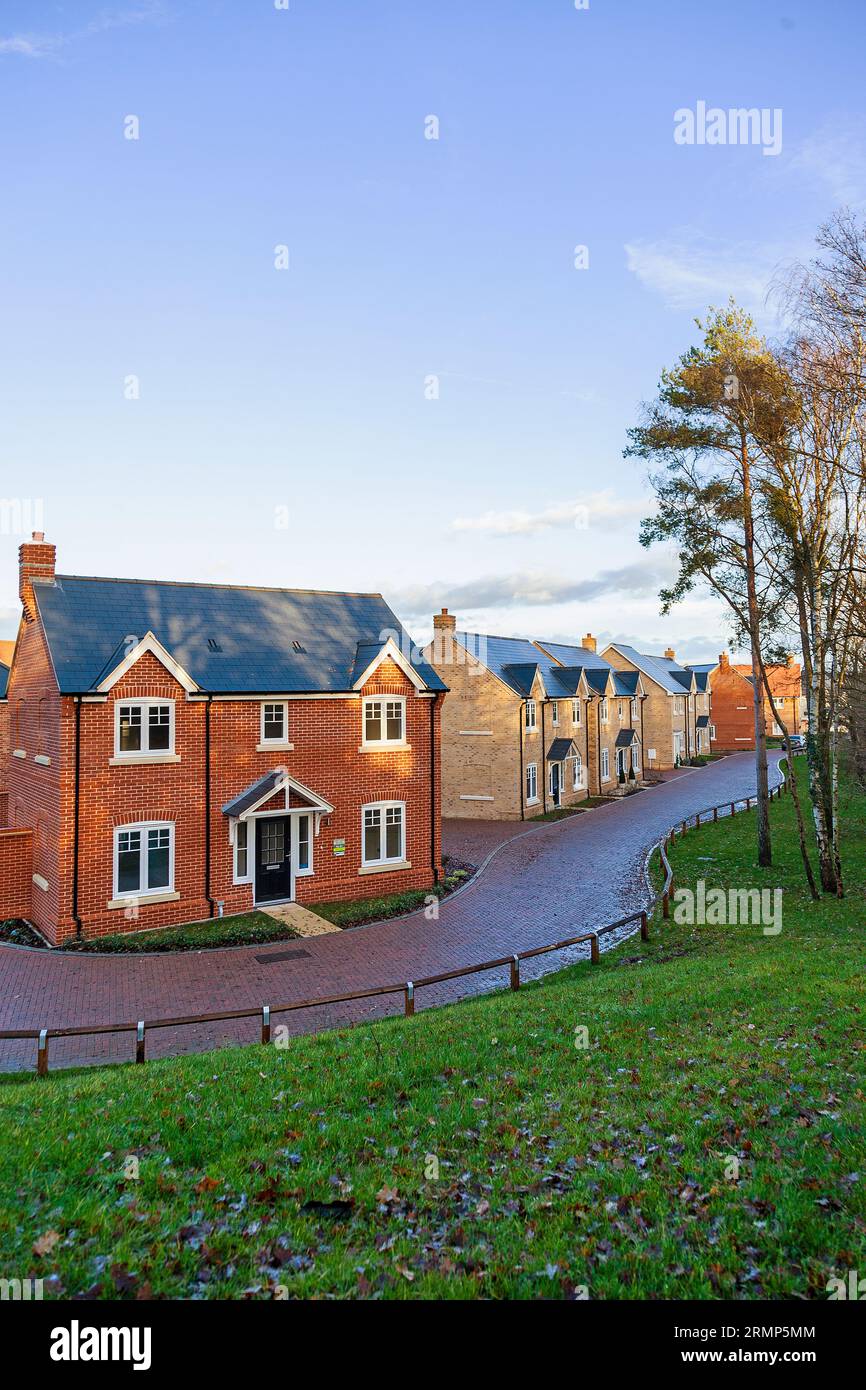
column 384, row 833
column 577, row 782
column 531, row 782
column 304, row 853
column 635, row 758
column 605, row 765
column 143, row 859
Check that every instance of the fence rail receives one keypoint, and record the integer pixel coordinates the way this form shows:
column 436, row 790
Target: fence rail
column 407, row 988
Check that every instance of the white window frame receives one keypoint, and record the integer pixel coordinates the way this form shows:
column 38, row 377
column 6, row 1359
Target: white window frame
column 530, row 717
column 145, row 706
column 620, row 711
column 605, row 765
column 550, row 767
column 384, row 701
column 575, row 711
column 635, row 759
column 143, row 827
column 577, row 781
column 603, row 710
column 634, row 707
column 249, row 829
column 531, row 777
column 297, row 871
column 383, row 807
column 283, row 739
column 554, row 712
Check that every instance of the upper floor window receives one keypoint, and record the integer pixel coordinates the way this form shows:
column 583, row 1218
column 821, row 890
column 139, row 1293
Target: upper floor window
column 634, row 709
column 620, row 711
column 144, row 726
column 275, row 721
column 575, row 711
column 679, row 704
column 143, row 859
column 554, row 711
column 385, row 719
column 602, row 710
column 530, row 716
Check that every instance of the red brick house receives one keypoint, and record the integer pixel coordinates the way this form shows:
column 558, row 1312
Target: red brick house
column 182, row 750
column 733, row 697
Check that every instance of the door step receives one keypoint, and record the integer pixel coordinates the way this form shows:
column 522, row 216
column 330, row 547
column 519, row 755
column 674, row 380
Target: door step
column 304, row 922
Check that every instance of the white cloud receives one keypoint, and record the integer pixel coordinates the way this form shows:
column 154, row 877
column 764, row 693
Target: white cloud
column 529, row 590
column 692, row 271
column 47, row 45
column 602, row 510
column 30, row 45
column 835, row 158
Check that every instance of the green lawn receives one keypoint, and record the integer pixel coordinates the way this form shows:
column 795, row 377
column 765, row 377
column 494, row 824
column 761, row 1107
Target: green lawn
column 476, row 1150
column 243, row 929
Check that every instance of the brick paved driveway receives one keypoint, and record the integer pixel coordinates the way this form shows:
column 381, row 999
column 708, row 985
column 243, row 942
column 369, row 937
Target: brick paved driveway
column 552, row 881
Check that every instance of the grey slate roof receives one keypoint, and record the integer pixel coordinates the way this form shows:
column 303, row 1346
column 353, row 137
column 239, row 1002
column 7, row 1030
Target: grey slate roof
column 88, row 623
column 626, row 737
column 658, row 668
column 575, row 656
column 703, row 721
column 597, row 678
column 4, row 680
column 253, row 793
column 560, row 749
column 702, row 676
column 515, row 660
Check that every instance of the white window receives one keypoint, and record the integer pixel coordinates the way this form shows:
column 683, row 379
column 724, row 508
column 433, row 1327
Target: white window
column 575, row 711
column 550, row 771
column 275, row 721
column 578, row 772
column 142, row 727
column 304, row 855
column 242, row 852
column 143, row 859
column 779, row 701
column 634, row 710
column 620, row 710
column 678, row 745
column 554, row 711
column 605, row 765
column 531, row 783
column 602, row 710
column 530, row 716
column 635, row 758
column 678, row 704
column 384, row 833
column 385, row 719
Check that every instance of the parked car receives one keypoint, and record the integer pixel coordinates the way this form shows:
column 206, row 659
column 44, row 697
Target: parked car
column 796, row 743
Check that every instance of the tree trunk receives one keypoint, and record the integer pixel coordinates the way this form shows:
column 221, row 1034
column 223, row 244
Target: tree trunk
column 795, row 793
column 765, row 851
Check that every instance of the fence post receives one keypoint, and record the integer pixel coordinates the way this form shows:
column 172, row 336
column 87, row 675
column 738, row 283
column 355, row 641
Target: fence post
column 139, row 1041
column 715, row 813
column 593, row 949
column 733, row 808
column 684, row 829
column 644, row 927
column 409, row 992
column 42, row 1053
column 515, row 972
column 666, row 911
column 266, row 1023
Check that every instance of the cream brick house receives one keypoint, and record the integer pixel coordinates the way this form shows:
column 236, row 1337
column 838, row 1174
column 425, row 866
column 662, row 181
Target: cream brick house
column 527, row 729
column 678, row 714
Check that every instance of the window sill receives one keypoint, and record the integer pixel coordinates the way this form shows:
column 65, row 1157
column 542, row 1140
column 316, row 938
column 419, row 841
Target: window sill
column 18, row 753
column 533, row 801
column 41, row 882
column 274, row 747
column 143, row 900
column 42, row 759
column 142, row 759
column 401, row 747
column 385, row 868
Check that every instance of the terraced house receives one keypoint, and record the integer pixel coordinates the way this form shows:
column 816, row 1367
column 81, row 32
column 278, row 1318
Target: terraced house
column 530, row 727
column 678, row 715
column 182, row 750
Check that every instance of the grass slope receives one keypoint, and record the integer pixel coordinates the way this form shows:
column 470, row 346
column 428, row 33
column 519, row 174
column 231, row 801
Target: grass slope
column 313, row 1170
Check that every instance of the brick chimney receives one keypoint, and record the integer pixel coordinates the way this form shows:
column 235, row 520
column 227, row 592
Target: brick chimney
column 35, row 561
column 789, row 660
column 724, row 659
column 670, row 654
column 444, row 621
column 589, row 642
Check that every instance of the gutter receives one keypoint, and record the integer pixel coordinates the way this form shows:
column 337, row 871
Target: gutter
column 543, row 761
column 433, row 703
column 75, row 818
column 521, row 717
column 207, row 884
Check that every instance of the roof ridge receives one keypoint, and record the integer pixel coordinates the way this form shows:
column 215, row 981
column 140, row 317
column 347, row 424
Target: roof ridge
column 208, row 584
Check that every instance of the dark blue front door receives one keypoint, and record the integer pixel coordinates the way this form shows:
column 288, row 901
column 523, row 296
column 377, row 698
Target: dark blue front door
column 273, row 861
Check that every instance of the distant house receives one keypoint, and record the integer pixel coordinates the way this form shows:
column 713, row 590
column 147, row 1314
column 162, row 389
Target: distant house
column 733, row 702
column 678, row 713
column 529, row 727
column 179, row 750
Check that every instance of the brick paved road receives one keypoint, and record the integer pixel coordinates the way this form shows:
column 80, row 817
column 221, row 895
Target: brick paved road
column 552, row 881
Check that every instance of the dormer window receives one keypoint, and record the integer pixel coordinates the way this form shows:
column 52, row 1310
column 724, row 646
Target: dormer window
column 275, row 722
column 530, row 717
column 384, row 720
column 575, row 711
column 602, row 710
column 144, row 728
column 554, row 711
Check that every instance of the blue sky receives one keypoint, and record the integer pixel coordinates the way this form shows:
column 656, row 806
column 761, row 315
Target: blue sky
column 282, row 433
